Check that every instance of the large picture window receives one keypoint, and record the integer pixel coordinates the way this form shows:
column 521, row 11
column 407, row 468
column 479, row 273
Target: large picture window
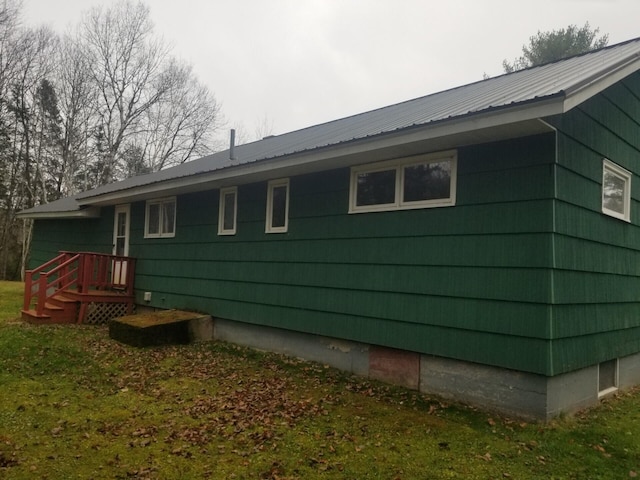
column 415, row 182
column 228, row 211
column 616, row 191
column 277, row 206
column 160, row 218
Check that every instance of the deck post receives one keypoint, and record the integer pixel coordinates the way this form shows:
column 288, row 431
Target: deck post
column 131, row 267
column 28, row 289
column 86, row 280
column 102, row 274
column 42, row 293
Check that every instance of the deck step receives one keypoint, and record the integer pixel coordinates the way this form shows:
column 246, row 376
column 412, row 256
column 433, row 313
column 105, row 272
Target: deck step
column 50, row 307
column 72, row 307
column 63, row 299
column 58, row 310
column 32, row 316
column 31, row 313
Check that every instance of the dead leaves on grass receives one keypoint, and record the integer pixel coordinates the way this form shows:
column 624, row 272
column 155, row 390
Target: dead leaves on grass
column 245, row 402
column 251, row 411
column 8, row 460
column 239, row 401
column 251, row 396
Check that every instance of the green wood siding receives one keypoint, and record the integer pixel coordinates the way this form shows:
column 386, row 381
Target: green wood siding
column 471, row 282
column 596, row 304
column 76, row 235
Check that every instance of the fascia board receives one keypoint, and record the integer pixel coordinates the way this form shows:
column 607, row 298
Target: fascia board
column 229, row 176
column 596, row 85
column 90, row 212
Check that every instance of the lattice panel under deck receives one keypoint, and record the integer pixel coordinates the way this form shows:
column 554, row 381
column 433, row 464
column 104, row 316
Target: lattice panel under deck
column 98, row 312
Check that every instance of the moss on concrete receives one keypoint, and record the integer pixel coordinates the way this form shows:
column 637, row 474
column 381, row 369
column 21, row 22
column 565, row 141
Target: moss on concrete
column 166, row 327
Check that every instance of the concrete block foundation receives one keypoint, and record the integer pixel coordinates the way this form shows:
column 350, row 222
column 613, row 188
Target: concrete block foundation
column 505, row 391
column 341, row 354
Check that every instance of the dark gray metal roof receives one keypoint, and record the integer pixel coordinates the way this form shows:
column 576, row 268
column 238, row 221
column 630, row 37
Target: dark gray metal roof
column 555, row 81
column 65, row 207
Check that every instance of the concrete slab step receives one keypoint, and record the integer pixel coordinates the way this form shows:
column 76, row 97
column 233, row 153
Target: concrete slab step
column 166, row 327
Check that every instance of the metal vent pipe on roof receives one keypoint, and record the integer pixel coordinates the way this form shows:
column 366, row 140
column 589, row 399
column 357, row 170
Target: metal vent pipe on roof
column 232, row 145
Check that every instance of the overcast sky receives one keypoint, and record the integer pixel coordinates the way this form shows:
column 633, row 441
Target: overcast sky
column 297, row 63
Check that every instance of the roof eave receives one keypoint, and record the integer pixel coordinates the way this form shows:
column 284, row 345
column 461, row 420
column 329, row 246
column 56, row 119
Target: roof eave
column 504, row 116
column 596, row 84
column 81, row 213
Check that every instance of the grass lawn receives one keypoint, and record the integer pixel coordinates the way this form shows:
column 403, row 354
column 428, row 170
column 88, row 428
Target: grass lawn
column 75, row 404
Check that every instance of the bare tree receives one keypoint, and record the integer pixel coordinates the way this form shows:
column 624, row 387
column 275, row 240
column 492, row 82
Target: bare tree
column 145, row 101
column 36, row 49
column 34, row 106
column 263, row 128
column 76, row 103
column 126, row 65
column 180, row 126
column 25, row 58
column 106, row 101
column 9, row 31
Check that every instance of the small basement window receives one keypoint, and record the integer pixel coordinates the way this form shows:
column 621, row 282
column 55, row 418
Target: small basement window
column 277, row 206
column 607, row 377
column 228, row 211
column 422, row 181
column 160, row 218
column 616, row 191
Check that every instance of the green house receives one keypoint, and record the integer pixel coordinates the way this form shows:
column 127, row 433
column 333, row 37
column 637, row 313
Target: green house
column 481, row 243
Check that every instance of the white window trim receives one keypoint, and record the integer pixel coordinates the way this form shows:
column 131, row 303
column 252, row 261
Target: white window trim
column 223, row 193
column 399, row 165
column 160, row 201
column 617, row 170
column 126, row 209
column 273, row 184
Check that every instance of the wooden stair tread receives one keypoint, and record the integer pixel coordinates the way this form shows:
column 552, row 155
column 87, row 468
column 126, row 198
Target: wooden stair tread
column 99, row 296
column 32, row 313
column 63, row 299
column 53, row 308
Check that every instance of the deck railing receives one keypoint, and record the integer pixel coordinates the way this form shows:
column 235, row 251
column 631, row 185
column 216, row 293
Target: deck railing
column 81, row 272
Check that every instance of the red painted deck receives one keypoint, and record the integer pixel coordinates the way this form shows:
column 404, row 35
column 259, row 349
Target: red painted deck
column 64, row 289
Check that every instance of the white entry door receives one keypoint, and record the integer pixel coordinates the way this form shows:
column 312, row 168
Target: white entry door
column 120, row 243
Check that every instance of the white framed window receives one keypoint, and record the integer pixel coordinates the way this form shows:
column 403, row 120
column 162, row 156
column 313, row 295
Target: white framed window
column 160, row 218
column 423, row 181
column 277, row 206
column 607, row 377
column 228, row 213
column 616, row 190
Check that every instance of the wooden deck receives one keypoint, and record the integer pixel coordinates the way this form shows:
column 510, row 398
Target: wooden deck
column 94, row 306
column 79, row 288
